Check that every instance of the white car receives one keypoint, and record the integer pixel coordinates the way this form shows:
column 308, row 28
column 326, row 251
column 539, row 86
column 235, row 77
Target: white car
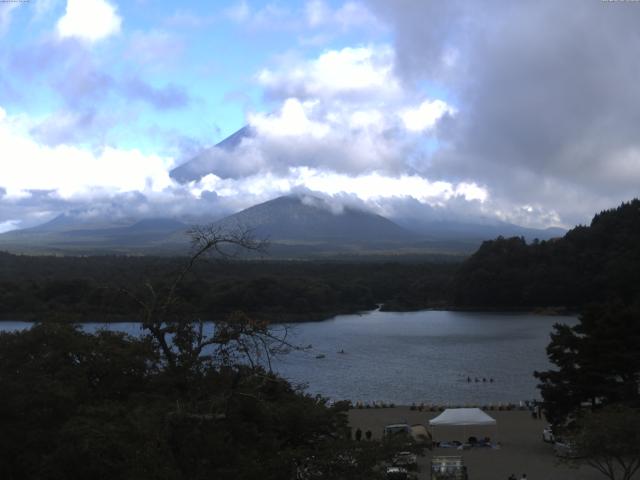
column 397, row 429
column 397, row 473
column 547, row 434
column 405, row 459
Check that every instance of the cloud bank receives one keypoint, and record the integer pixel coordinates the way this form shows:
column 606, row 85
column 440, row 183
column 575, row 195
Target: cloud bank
column 546, row 93
column 517, row 111
column 89, row 20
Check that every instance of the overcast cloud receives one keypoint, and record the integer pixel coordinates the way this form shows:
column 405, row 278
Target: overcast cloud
column 547, row 99
column 518, row 111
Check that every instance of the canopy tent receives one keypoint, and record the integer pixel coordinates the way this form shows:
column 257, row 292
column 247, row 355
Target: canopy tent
column 472, row 421
column 453, row 417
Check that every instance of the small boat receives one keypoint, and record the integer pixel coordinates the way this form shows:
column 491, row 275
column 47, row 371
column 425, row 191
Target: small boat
column 342, row 351
column 322, row 355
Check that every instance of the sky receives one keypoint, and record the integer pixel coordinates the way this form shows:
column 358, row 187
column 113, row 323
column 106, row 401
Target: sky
column 525, row 112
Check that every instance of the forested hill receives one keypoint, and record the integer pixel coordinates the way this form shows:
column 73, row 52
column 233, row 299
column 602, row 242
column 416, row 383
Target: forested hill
column 589, row 264
column 91, row 288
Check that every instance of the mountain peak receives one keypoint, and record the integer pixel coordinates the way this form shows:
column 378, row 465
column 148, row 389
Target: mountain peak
column 310, row 218
column 204, row 163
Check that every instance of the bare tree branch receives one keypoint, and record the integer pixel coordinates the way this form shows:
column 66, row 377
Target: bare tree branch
column 183, row 342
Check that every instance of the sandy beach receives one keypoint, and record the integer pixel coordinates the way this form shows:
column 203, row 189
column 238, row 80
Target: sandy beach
column 521, row 447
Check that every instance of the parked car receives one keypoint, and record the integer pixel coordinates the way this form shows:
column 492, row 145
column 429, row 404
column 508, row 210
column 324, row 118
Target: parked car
column 397, row 473
column 547, row 434
column 405, row 459
column 397, row 429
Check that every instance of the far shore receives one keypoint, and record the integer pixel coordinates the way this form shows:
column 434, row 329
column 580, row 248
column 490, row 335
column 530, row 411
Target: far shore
column 277, row 318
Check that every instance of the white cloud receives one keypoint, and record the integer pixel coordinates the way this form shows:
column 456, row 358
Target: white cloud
column 373, row 187
column 538, row 121
column 292, row 120
column 72, row 171
column 344, row 111
column 376, row 186
column 339, row 137
column 89, row 20
column 425, row 115
column 9, row 225
column 117, row 183
column 351, row 71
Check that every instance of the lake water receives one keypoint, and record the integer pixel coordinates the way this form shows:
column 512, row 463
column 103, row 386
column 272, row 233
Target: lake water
column 411, row 357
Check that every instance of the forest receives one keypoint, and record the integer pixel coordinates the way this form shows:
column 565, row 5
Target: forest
column 171, row 404
column 174, row 404
column 590, row 264
column 93, row 288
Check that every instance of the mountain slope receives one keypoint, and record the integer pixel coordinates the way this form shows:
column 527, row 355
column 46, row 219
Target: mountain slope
column 147, row 226
column 311, row 219
column 66, row 234
column 297, row 226
column 204, row 163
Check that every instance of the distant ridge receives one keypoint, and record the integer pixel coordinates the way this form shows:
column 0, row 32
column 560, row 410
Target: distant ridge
column 145, row 226
column 307, row 218
column 297, row 226
column 71, row 235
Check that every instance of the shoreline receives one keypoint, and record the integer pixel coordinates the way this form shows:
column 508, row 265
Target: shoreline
column 281, row 318
column 439, row 407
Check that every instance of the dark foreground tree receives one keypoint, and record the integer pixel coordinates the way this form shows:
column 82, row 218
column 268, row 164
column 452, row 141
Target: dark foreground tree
column 598, row 362
column 185, row 401
column 609, row 441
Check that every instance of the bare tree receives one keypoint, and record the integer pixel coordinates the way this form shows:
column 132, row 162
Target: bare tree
column 186, row 343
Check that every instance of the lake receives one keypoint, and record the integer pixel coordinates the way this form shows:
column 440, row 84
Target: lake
column 424, row 356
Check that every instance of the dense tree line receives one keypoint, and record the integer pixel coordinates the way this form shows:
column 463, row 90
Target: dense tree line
column 589, row 264
column 75, row 406
column 86, row 288
column 176, row 403
column 592, row 395
column 597, row 362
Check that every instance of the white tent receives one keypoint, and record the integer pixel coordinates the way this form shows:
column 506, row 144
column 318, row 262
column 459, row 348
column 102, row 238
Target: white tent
column 453, row 417
column 472, row 420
